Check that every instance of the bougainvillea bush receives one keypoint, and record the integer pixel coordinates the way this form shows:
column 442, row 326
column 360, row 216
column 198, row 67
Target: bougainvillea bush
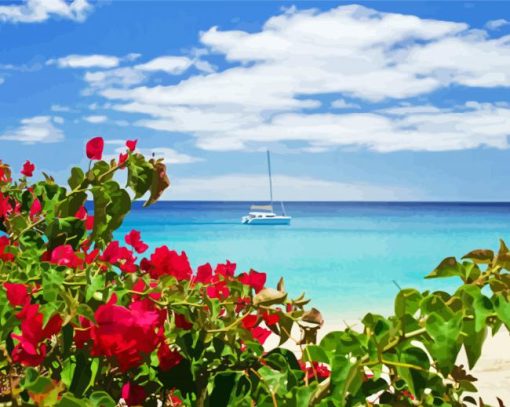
column 87, row 320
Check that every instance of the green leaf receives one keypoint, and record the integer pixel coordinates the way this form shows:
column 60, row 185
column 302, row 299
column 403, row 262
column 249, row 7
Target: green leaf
column 140, row 173
column 481, row 256
column 76, row 178
column 82, row 375
column 101, row 399
column 68, row 400
column 449, row 267
column 473, row 341
column 314, row 353
column 446, row 344
column 35, row 383
column 415, row 379
column 502, row 309
column 407, row 302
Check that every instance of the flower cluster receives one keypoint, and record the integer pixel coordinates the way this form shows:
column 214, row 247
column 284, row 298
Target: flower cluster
column 144, row 317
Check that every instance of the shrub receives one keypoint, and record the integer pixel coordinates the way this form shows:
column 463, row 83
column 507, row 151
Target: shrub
column 87, row 320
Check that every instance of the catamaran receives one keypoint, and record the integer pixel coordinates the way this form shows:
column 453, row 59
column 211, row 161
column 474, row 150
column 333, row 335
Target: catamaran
column 264, row 214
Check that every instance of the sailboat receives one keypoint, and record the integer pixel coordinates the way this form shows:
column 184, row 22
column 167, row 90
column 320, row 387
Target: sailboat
column 264, row 214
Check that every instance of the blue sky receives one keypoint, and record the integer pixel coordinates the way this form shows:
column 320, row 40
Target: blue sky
column 366, row 101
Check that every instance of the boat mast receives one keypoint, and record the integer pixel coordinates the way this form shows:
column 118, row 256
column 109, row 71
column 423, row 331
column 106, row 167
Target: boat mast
column 270, row 179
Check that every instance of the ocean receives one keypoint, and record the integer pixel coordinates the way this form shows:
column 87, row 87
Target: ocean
column 348, row 257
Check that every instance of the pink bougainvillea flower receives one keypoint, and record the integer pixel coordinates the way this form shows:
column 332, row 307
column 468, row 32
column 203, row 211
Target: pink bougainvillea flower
column 260, row 334
column 64, row 255
column 84, row 216
column 227, row 269
column 168, row 262
column 131, row 145
column 17, row 294
column 242, row 303
column 119, row 256
column 94, row 148
column 122, row 159
column 5, row 206
column 182, row 322
column 218, row 290
column 133, row 239
column 36, row 208
column 133, row 394
column 127, row 334
column 4, row 242
column 250, row 321
column 82, row 333
column 168, row 358
column 31, row 350
column 81, row 213
column 315, row 370
column 270, row 319
column 28, row 169
column 254, row 279
column 204, row 274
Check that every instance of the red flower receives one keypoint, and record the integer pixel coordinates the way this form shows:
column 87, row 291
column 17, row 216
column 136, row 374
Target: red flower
column 17, row 294
column 315, row 370
column 64, row 255
column 242, row 303
column 131, row 145
column 122, row 159
column 95, row 148
column 119, row 256
column 36, row 208
column 260, row 334
column 218, row 290
column 182, row 322
column 127, row 334
column 133, row 239
column 168, row 358
column 81, row 213
column 133, row 394
column 204, row 274
column 30, row 351
column 4, row 242
column 167, row 262
column 82, row 333
column 226, row 270
column 254, row 279
column 250, row 321
column 270, row 319
column 5, row 206
column 28, row 169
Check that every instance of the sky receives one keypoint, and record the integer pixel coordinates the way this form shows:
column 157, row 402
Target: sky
column 356, row 101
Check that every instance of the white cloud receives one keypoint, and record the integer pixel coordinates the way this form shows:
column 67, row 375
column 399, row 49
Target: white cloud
column 288, row 188
column 86, row 61
column 169, row 155
column 170, row 64
column 496, row 24
column 95, row 119
column 35, row 11
column 350, row 51
column 122, row 77
column 343, row 104
column 37, row 129
column 60, row 108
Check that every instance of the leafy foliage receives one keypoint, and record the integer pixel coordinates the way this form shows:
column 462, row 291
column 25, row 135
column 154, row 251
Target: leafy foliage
column 86, row 320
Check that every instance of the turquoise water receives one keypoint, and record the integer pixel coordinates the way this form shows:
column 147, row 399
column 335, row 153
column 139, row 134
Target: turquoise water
column 345, row 256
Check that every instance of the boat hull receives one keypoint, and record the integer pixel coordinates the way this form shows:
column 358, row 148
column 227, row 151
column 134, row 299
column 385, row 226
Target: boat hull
column 277, row 220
